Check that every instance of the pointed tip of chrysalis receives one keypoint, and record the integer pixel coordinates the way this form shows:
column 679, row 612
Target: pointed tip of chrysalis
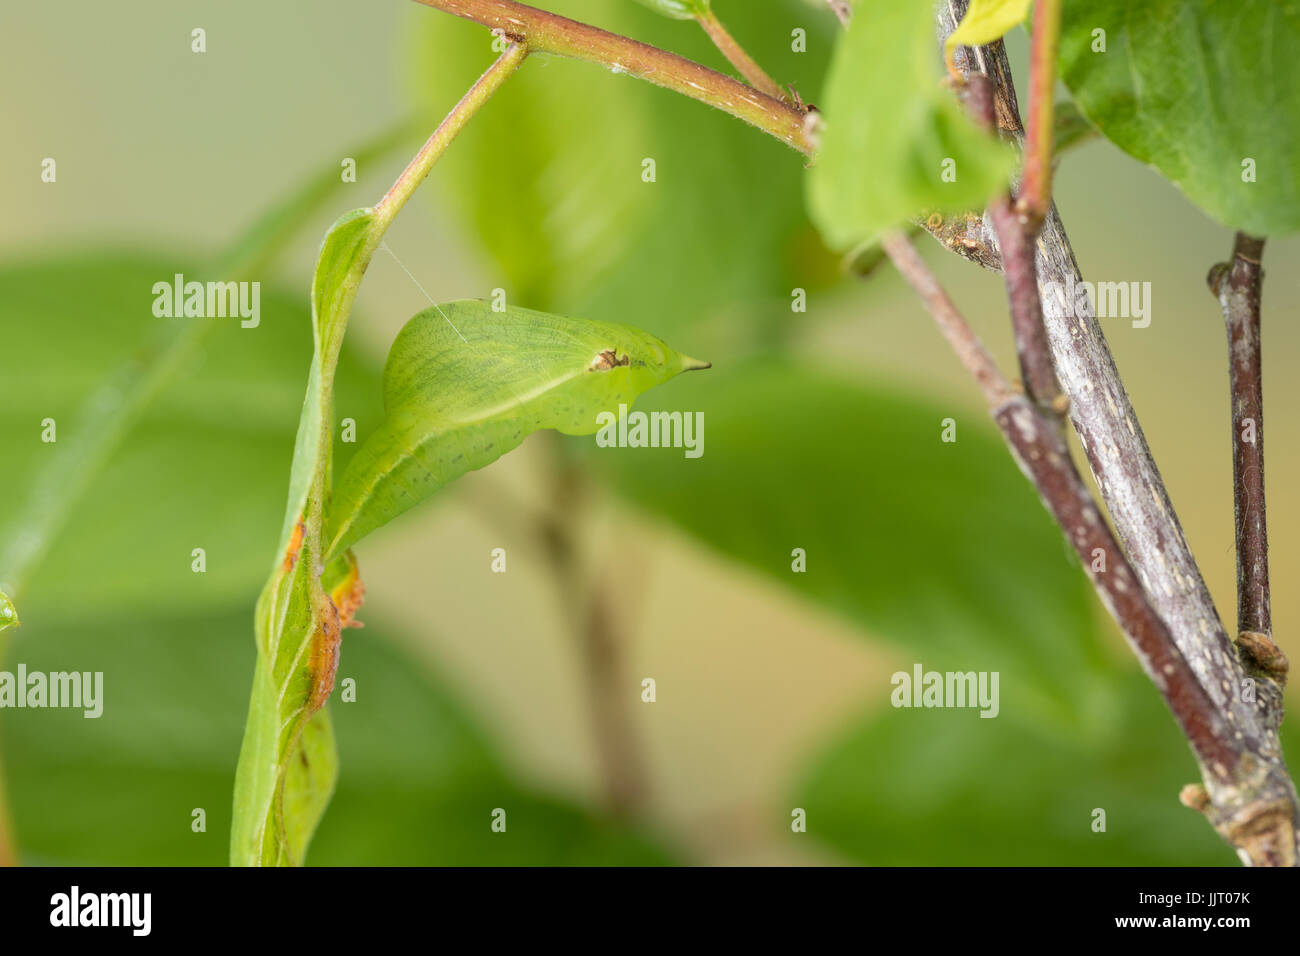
column 694, row 365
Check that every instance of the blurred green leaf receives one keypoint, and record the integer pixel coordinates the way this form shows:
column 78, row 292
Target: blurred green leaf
column 420, row 786
column 677, row 9
column 1203, row 91
column 465, row 384
column 112, row 406
column 896, row 143
column 277, row 226
column 943, row 551
column 940, row 548
column 715, row 244
column 205, row 466
column 944, row 787
column 1070, row 127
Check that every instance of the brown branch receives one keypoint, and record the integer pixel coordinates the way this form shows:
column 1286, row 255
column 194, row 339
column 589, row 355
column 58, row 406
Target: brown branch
column 970, row 350
column 1256, row 809
column 545, row 32
column 587, row 608
column 1036, row 182
column 1016, row 234
column 619, row 753
column 737, row 57
column 1236, row 284
column 1016, row 242
column 1038, row 446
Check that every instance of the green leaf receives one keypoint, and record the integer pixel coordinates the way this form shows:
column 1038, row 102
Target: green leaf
column 274, row 229
column 203, row 466
column 465, row 384
column 943, row 787
column 339, row 265
column 166, row 491
column 939, row 548
column 986, row 21
column 287, row 765
column 894, row 137
column 677, row 9
column 1203, row 90
column 197, row 472
column 120, row 790
column 112, row 406
column 1070, row 129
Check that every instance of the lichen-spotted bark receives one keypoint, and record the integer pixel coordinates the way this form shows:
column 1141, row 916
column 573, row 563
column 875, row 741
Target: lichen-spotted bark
column 1237, row 286
column 1251, row 799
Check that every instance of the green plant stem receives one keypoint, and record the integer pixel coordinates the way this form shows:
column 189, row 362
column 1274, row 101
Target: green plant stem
column 545, row 32
column 738, row 58
column 437, row 144
column 588, row 600
column 383, row 214
column 386, row 210
column 280, row 730
column 1036, row 183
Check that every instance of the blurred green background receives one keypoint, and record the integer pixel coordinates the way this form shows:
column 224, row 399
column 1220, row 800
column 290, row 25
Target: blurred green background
column 474, row 689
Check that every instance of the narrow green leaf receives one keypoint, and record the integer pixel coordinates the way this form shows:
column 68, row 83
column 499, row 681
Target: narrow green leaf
column 287, row 765
column 896, row 142
column 465, row 384
column 332, row 292
column 677, row 9
column 986, row 21
column 1205, row 91
column 338, row 268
